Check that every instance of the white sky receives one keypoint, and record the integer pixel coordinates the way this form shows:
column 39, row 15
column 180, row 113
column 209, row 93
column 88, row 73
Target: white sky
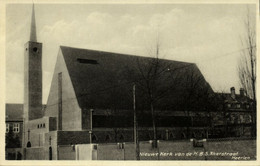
column 207, row 34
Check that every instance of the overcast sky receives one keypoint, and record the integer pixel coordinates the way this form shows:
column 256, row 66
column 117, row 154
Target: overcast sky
column 207, row 34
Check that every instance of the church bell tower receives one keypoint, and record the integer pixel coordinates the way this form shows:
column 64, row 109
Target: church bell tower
column 33, row 75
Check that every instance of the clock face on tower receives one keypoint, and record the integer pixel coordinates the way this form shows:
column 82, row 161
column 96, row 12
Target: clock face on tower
column 35, row 49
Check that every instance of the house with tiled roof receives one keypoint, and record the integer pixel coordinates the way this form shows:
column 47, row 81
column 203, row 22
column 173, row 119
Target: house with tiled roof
column 235, row 113
column 14, row 121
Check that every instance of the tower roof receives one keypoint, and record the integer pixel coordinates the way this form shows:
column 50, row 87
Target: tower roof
column 33, row 36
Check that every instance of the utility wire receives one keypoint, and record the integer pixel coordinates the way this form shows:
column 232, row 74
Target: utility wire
column 230, row 53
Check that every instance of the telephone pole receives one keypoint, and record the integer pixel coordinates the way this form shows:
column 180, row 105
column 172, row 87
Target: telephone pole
column 137, row 150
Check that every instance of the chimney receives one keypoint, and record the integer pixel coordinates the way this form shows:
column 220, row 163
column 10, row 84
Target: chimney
column 242, row 92
column 233, row 92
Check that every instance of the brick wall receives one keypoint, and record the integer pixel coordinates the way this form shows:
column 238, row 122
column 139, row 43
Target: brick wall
column 109, row 152
column 51, row 141
column 72, row 137
column 33, row 81
column 173, row 133
column 16, row 134
column 37, row 128
column 35, row 153
column 66, row 153
column 13, row 154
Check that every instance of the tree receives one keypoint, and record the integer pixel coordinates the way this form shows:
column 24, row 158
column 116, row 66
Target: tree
column 247, row 65
column 151, row 72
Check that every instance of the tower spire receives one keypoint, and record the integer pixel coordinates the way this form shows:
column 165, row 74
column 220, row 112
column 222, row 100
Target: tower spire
column 33, row 36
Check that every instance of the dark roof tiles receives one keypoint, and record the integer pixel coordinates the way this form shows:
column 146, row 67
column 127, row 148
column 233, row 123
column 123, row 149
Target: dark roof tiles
column 104, row 80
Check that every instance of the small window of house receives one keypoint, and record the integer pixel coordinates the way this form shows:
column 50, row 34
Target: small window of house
column 250, row 118
column 16, row 128
column 38, row 126
column 43, row 125
column 228, row 105
column 7, row 128
column 241, row 118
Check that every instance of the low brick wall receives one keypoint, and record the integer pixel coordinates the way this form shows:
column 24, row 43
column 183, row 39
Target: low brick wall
column 72, row 137
column 35, row 153
column 227, row 149
column 13, row 153
column 110, row 152
column 66, row 153
column 219, row 149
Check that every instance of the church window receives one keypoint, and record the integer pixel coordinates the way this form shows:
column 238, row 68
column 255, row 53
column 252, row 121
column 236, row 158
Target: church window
column 87, row 61
column 7, row 128
column 60, row 101
column 43, row 125
column 171, row 136
column 29, row 144
column 183, row 135
column 38, row 126
column 94, row 138
column 16, row 127
column 121, row 137
column 107, row 138
column 202, row 135
column 193, row 135
column 238, row 105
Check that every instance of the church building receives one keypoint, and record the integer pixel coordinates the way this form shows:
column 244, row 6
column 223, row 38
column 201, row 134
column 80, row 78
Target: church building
column 91, row 99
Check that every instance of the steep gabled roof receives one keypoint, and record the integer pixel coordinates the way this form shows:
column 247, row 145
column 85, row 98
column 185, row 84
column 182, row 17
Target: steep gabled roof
column 238, row 98
column 14, row 112
column 105, row 80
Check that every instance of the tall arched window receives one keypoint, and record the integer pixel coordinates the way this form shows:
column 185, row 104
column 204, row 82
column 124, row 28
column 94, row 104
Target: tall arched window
column 183, row 135
column 193, row 135
column 108, row 137
column 94, row 138
column 121, row 138
column 171, row 136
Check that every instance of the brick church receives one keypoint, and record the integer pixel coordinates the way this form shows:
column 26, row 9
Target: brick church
column 91, row 98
